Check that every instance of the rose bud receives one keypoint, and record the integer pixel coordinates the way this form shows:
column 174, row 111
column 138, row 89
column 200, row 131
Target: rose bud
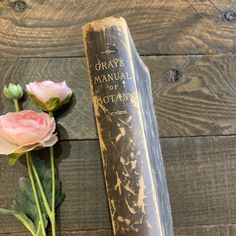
column 13, row 91
column 23, row 131
column 49, row 95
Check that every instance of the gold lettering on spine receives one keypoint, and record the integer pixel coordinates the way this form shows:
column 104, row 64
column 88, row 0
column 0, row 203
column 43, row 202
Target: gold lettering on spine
column 106, row 79
column 114, row 63
column 120, row 97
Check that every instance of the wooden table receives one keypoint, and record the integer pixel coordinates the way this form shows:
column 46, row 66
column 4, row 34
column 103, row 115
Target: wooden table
column 189, row 47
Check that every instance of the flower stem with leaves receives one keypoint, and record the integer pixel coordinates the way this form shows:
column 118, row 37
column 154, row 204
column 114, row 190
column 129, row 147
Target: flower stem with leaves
column 50, row 96
column 29, row 166
column 50, row 212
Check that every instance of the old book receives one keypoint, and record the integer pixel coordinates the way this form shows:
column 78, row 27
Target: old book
column 127, row 129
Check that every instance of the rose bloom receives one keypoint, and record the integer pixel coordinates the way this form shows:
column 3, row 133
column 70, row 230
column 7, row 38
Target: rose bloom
column 25, row 130
column 42, row 92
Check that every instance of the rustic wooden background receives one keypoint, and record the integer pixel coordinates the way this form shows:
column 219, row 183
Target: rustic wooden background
column 189, row 47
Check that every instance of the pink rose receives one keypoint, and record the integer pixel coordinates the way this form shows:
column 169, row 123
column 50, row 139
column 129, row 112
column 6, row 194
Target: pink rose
column 49, row 95
column 23, row 131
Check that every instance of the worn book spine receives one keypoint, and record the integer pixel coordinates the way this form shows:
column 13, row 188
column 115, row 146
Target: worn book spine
column 127, row 129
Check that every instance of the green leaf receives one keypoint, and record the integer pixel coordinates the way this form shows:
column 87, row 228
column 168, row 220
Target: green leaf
column 24, row 207
column 27, row 222
column 13, row 158
column 25, row 186
column 45, row 175
column 6, row 211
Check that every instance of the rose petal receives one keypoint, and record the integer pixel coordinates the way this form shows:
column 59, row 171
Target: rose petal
column 24, row 149
column 25, row 130
column 7, row 148
column 49, row 142
column 45, row 90
column 23, row 135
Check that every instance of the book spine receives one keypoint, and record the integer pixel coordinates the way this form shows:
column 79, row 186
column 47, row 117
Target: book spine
column 131, row 181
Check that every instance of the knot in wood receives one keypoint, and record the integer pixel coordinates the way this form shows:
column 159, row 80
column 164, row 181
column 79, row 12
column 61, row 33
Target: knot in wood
column 229, row 16
column 19, row 6
column 174, row 75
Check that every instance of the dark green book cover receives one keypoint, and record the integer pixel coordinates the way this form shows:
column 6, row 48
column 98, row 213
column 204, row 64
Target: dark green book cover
column 127, row 129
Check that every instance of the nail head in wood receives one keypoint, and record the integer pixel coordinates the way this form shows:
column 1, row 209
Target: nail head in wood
column 229, row 16
column 19, row 6
column 174, row 75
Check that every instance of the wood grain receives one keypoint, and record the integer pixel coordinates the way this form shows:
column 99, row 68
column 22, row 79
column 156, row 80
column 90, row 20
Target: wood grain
column 222, row 230
column 201, row 177
column 86, row 233
column 68, row 233
column 53, row 28
column 201, row 174
column 211, row 230
column 193, row 95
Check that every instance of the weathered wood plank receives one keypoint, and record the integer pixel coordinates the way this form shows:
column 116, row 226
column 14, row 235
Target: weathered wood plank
column 67, row 233
column 53, row 28
column 215, row 230
column 201, row 174
column 193, row 95
column 201, row 177
column 211, row 230
column 86, row 233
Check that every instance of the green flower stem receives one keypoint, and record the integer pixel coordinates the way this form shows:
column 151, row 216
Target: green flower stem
column 16, row 103
column 28, row 159
column 38, row 231
column 53, row 220
column 50, row 212
column 53, row 216
column 45, row 201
